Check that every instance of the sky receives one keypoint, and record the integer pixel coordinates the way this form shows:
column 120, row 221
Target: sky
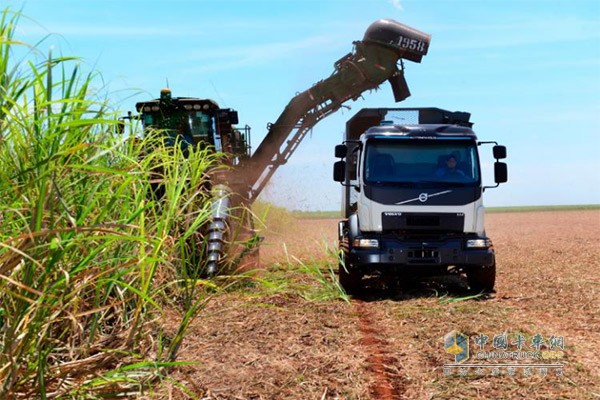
column 528, row 71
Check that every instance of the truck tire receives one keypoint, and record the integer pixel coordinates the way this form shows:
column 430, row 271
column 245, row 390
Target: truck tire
column 351, row 281
column 482, row 278
column 349, row 277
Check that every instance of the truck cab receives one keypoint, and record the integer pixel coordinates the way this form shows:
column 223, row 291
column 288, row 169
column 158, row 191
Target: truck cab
column 412, row 196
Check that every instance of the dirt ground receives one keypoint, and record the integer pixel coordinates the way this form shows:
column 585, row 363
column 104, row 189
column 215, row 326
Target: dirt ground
column 266, row 340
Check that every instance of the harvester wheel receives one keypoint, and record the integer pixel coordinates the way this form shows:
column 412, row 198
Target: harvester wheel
column 482, row 278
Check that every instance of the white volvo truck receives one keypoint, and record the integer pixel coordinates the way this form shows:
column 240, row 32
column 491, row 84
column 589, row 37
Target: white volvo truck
column 412, row 196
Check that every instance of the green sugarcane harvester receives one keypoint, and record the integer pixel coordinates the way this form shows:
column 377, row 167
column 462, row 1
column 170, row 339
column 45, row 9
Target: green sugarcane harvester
column 199, row 122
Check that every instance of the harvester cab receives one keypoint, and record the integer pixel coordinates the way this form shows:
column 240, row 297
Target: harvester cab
column 196, row 122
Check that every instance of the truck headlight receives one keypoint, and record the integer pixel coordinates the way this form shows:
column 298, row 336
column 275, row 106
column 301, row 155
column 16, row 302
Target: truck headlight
column 479, row 243
column 366, row 243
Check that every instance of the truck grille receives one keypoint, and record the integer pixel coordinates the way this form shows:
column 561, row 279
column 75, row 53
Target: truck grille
column 422, row 222
column 423, row 256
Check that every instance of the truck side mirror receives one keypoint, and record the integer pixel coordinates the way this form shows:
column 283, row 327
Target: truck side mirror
column 500, row 172
column 339, row 171
column 341, row 150
column 499, row 152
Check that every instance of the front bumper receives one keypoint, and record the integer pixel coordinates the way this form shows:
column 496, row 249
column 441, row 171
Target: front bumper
column 422, row 253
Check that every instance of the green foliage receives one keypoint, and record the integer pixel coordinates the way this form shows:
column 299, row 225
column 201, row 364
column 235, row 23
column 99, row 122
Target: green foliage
column 314, row 281
column 328, row 286
column 86, row 254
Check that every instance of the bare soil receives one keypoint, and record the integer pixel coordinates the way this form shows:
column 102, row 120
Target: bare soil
column 265, row 340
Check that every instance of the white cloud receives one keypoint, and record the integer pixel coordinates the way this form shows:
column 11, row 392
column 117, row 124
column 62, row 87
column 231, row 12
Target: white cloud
column 397, row 4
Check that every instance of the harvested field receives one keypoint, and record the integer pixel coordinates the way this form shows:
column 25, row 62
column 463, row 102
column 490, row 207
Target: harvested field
column 268, row 339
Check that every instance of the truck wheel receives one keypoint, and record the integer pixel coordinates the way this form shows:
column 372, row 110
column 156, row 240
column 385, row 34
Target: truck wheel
column 482, row 278
column 350, row 280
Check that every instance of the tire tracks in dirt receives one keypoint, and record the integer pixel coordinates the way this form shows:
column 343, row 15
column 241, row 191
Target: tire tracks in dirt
column 388, row 380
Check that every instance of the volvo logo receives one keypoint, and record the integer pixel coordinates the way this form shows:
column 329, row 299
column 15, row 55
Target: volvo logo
column 423, row 197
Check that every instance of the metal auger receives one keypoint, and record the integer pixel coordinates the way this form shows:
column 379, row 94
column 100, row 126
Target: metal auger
column 217, row 230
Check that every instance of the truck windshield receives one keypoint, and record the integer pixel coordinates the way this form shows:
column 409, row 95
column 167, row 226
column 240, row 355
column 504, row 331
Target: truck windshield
column 421, row 161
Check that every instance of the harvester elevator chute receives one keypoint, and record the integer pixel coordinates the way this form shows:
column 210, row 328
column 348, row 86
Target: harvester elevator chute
column 373, row 60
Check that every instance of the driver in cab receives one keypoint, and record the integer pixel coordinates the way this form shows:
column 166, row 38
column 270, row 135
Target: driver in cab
column 449, row 170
